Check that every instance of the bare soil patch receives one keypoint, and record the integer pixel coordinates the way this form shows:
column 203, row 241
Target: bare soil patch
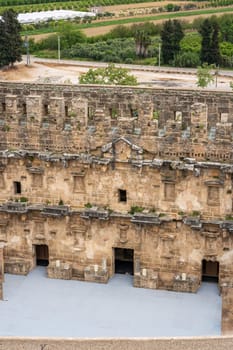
column 19, row 72
column 44, row 73
column 38, row 37
column 117, row 8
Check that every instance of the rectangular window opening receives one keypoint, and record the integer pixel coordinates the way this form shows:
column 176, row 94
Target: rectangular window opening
column 178, row 116
column 113, row 113
column 24, row 109
column 122, row 195
column 17, row 187
column 66, row 111
column 46, row 109
column 90, row 112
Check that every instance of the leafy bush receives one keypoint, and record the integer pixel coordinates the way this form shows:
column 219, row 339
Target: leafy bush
column 187, row 59
column 226, row 49
column 191, row 43
column 112, row 50
column 110, row 75
column 136, row 209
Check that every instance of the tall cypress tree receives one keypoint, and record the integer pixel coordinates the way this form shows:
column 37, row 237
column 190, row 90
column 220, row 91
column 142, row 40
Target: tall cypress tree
column 210, row 52
column 178, row 35
column 3, row 46
column 10, row 41
column 214, row 49
column 206, row 33
column 167, row 42
column 171, row 35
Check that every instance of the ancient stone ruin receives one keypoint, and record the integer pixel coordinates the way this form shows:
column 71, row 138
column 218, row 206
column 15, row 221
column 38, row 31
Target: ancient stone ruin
column 98, row 180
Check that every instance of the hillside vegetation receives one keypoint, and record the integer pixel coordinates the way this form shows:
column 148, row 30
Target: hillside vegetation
column 140, row 43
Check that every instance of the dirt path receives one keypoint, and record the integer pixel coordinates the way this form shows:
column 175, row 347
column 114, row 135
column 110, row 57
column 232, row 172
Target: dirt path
column 118, row 8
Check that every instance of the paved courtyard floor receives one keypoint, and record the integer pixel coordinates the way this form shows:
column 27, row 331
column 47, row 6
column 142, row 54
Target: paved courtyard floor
column 35, row 305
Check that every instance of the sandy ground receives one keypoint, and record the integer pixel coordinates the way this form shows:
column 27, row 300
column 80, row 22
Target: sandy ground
column 38, row 306
column 68, row 72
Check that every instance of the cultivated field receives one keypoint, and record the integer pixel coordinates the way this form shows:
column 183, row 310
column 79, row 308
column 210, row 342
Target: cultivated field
column 107, row 26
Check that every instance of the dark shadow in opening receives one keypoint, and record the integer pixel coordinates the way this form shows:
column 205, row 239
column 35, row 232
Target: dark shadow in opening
column 42, row 255
column 210, row 271
column 124, row 261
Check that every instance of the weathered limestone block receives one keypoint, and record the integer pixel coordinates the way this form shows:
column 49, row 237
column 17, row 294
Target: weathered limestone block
column 227, row 309
column 146, row 278
column 17, row 267
column 60, row 271
column 199, row 115
column 184, row 283
column 34, row 108
column 57, row 107
column 96, row 273
column 79, row 112
column 11, row 106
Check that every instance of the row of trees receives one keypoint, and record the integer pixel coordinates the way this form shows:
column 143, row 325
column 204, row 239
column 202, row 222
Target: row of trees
column 131, row 44
column 172, row 33
column 210, row 51
column 140, row 43
column 10, row 39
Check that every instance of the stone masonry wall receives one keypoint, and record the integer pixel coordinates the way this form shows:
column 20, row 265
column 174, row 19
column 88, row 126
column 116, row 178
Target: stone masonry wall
column 176, row 187
column 85, row 170
column 168, row 124
column 168, row 253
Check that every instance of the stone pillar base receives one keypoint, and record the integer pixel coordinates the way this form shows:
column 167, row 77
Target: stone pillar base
column 64, row 272
column 92, row 275
column 227, row 309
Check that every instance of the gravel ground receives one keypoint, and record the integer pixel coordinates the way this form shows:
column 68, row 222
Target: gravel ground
column 68, row 72
column 37, row 306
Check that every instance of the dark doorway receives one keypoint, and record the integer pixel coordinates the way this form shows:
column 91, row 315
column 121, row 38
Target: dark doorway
column 17, row 187
column 122, row 195
column 210, row 271
column 124, row 261
column 42, row 255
